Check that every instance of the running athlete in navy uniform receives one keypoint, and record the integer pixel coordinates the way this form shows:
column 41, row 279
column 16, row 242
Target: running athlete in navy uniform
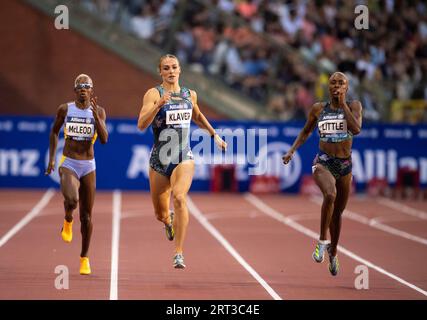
column 337, row 122
column 83, row 122
column 169, row 109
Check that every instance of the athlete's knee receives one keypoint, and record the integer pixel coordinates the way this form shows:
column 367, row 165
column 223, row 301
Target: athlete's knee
column 85, row 218
column 179, row 200
column 330, row 195
column 71, row 202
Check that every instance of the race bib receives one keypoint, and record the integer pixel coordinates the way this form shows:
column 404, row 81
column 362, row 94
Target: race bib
column 80, row 128
column 333, row 126
column 182, row 116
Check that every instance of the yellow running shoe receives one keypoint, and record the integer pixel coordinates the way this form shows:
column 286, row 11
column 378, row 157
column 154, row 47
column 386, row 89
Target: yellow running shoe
column 319, row 252
column 67, row 231
column 84, row 265
column 334, row 265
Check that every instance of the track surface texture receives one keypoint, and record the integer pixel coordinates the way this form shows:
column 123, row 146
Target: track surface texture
column 238, row 247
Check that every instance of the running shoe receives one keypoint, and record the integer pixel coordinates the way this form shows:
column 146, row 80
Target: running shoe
column 319, row 252
column 67, row 231
column 334, row 265
column 84, row 266
column 178, row 261
column 170, row 232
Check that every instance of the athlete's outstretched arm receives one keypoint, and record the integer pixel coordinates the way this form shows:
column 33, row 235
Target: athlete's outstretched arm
column 53, row 136
column 100, row 117
column 202, row 122
column 309, row 126
column 151, row 104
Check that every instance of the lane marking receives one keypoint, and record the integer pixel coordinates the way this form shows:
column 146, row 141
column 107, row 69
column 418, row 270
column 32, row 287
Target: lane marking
column 30, row 216
column 402, row 208
column 375, row 223
column 220, row 238
column 269, row 211
column 117, row 206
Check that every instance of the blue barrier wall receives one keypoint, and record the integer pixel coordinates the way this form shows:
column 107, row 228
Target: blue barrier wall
column 122, row 163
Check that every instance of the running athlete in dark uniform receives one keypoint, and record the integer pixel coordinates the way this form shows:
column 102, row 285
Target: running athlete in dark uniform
column 169, row 109
column 337, row 122
column 172, row 121
column 83, row 122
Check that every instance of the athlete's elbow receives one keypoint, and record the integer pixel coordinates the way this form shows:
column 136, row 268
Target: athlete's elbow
column 53, row 133
column 356, row 131
column 104, row 140
column 142, row 126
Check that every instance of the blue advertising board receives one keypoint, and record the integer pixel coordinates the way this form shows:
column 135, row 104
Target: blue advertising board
column 254, row 148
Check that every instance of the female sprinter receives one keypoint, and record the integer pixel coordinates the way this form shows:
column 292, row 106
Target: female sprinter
column 83, row 122
column 169, row 109
column 337, row 121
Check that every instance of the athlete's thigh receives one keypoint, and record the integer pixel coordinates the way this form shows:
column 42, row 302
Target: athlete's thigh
column 343, row 186
column 324, row 179
column 69, row 183
column 160, row 189
column 87, row 191
column 182, row 177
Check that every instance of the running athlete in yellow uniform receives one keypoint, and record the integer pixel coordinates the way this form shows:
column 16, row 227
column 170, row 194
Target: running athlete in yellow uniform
column 83, row 122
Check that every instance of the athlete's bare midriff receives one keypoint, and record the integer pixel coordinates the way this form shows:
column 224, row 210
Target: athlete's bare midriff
column 79, row 150
column 337, row 149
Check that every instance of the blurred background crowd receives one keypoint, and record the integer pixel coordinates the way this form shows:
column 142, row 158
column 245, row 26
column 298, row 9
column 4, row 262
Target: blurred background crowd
column 281, row 52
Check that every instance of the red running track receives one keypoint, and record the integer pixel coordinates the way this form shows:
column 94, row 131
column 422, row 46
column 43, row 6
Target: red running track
column 238, row 247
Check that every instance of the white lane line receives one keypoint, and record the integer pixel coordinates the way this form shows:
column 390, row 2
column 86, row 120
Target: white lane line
column 117, row 206
column 402, row 208
column 30, row 216
column 263, row 207
column 375, row 223
column 218, row 236
column 304, row 216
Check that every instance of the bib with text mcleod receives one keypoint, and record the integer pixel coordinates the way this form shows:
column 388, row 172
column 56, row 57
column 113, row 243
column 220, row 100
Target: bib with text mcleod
column 80, row 128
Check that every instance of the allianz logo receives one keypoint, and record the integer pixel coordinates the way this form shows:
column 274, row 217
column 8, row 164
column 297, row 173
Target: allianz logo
column 367, row 164
column 380, row 163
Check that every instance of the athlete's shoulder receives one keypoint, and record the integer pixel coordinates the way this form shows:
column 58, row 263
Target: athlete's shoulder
column 62, row 109
column 154, row 91
column 318, row 106
column 192, row 94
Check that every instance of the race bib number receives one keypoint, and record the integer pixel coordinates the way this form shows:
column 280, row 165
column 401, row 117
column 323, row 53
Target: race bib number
column 333, row 126
column 81, row 129
column 182, row 116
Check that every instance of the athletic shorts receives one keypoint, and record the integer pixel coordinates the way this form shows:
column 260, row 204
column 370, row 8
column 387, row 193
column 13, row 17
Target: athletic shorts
column 339, row 167
column 80, row 167
column 167, row 166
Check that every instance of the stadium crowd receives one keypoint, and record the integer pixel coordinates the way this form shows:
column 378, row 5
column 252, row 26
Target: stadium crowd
column 280, row 52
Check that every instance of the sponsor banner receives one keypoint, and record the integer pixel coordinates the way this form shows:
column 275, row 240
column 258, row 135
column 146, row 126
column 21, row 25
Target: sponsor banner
column 255, row 148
